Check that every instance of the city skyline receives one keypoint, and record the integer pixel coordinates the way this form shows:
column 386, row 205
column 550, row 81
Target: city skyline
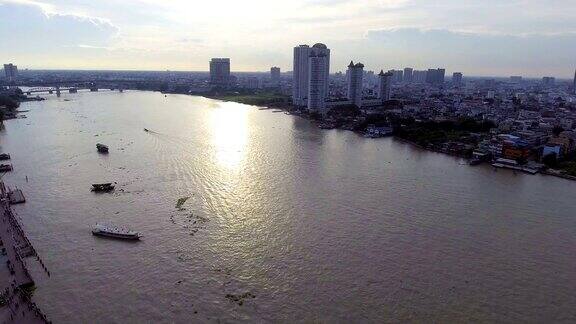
column 182, row 36
column 296, row 161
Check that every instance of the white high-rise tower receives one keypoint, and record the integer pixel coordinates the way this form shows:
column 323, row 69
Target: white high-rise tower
column 385, row 86
column 11, row 72
column 355, row 76
column 301, row 71
column 457, row 78
column 317, row 83
column 574, row 90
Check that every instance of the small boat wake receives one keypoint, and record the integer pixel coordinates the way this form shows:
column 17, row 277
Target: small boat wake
column 150, row 131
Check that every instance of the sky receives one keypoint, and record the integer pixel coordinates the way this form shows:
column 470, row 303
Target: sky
column 532, row 38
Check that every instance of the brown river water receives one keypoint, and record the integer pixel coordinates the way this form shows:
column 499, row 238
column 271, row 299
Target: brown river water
column 285, row 222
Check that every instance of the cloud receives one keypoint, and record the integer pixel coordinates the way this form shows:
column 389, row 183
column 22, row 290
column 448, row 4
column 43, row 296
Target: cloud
column 326, row 2
column 539, row 53
column 480, row 37
column 28, row 25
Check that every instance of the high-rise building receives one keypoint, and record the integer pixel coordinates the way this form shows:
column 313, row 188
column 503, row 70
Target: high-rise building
column 435, row 76
column 430, row 76
column 275, row 75
column 317, row 83
column 220, row 71
column 301, row 71
column 408, row 75
column 548, row 81
column 440, row 75
column 419, row 76
column 11, row 72
column 369, row 78
column 457, row 78
column 300, row 75
column 574, row 84
column 397, row 75
column 355, row 75
column 385, row 86
column 516, row 79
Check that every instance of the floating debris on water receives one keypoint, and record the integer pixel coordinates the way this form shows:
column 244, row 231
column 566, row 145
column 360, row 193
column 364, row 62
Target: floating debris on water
column 189, row 221
column 239, row 299
column 181, row 202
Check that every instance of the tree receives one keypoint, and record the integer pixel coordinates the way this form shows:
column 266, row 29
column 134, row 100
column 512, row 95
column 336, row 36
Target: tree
column 8, row 102
column 344, row 111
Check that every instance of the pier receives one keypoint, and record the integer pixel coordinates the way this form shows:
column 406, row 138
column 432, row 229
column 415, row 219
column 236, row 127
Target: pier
column 15, row 279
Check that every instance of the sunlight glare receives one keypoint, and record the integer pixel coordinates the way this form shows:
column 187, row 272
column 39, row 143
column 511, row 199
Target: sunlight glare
column 229, row 133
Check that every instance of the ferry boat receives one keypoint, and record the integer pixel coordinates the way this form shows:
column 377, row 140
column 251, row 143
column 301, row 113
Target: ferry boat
column 513, row 165
column 102, row 148
column 115, row 232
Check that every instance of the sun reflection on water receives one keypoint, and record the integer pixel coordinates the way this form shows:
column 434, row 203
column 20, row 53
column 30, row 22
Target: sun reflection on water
column 229, row 134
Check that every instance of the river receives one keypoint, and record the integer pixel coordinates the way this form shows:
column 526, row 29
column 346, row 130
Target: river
column 285, row 222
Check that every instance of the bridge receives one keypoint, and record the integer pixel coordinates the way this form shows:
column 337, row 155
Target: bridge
column 70, row 89
column 51, row 89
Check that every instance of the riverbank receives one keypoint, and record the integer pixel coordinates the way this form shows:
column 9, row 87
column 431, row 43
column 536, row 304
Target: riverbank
column 457, row 140
column 272, row 100
column 10, row 100
column 16, row 285
column 559, row 174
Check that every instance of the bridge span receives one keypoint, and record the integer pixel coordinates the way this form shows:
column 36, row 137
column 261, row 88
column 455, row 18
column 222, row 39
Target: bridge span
column 73, row 89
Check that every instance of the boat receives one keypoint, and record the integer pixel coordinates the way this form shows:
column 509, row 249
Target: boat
column 115, row 232
column 479, row 157
column 16, row 197
column 5, row 167
column 513, row 165
column 102, row 148
column 146, row 130
column 4, row 156
column 102, row 187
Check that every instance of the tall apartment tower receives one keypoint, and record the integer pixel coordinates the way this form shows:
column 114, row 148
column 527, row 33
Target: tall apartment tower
column 301, row 71
column 397, row 75
column 457, row 78
column 516, row 79
column 11, row 72
column 419, row 76
column 385, row 86
column 355, row 75
column 317, row 83
column 275, row 75
column 220, row 71
column 435, row 76
column 440, row 76
column 574, row 84
column 548, row 81
column 408, row 75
